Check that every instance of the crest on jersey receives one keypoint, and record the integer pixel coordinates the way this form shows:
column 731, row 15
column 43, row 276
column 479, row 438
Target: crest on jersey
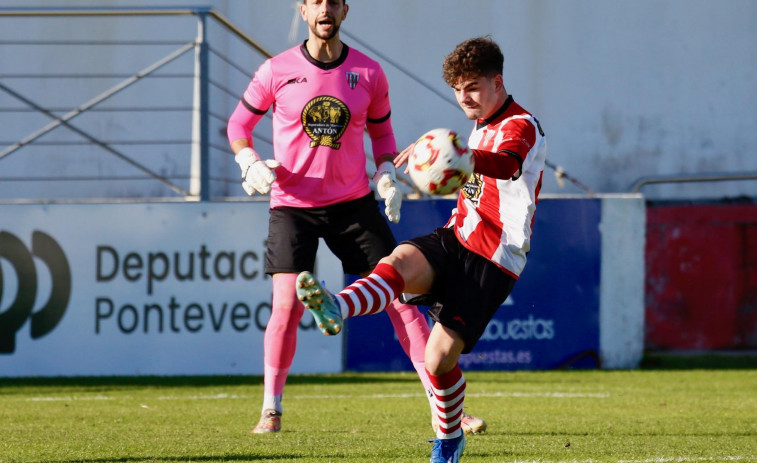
column 325, row 119
column 473, row 188
column 352, row 78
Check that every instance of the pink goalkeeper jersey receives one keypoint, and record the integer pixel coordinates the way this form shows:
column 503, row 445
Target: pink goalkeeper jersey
column 493, row 217
column 320, row 111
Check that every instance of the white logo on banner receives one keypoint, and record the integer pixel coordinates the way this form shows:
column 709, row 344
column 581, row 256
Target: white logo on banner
column 530, row 328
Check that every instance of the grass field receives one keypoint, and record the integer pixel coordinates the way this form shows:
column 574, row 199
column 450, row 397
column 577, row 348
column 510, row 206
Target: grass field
column 658, row 415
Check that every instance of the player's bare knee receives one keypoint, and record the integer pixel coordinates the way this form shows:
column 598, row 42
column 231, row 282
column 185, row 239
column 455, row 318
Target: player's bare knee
column 410, row 262
column 438, row 363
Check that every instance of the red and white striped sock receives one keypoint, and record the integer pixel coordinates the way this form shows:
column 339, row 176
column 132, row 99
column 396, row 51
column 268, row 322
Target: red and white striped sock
column 449, row 394
column 371, row 294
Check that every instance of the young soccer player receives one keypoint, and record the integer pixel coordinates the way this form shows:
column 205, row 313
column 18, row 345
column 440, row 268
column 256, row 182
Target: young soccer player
column 468, row 267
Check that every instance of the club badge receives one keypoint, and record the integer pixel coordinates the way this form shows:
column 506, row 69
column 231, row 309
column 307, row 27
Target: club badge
column 352, row 78
column 325, row 119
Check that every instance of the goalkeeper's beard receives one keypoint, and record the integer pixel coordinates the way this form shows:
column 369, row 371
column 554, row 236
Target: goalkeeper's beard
column 328, row 35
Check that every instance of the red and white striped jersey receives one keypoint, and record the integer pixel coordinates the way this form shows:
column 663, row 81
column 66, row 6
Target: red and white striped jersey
column 494, row 216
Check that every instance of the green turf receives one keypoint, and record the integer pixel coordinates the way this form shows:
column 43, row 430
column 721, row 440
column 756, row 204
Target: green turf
column 557, row 416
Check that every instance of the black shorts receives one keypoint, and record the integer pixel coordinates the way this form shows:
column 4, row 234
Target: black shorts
column 468, row 288
column 355, row 231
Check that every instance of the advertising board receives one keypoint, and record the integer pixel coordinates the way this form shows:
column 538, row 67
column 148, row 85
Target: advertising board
column 179, row 289
column 141, row 289
column 551, row 318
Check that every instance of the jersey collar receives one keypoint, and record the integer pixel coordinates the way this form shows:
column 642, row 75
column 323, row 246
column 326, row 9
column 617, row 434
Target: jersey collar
column 325, row 66
column 480, row 123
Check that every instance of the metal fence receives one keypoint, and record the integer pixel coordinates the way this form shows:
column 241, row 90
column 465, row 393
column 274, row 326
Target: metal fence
column 119, row 103
column 113, row 103
column 691, row 178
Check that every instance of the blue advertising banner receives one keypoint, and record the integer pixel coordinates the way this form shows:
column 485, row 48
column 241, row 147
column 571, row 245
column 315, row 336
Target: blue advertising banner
column 550, row 320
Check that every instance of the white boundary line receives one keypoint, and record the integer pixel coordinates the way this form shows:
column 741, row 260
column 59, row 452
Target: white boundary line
column 222, row 396
column 649, row 460
column 690, row 459
column 68, row 399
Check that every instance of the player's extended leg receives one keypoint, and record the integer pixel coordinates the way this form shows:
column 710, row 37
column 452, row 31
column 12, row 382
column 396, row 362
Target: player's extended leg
column 279, row 345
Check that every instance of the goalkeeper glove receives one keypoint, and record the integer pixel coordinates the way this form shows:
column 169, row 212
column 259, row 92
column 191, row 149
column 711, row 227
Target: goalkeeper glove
column 257, row 175
column 388, row 190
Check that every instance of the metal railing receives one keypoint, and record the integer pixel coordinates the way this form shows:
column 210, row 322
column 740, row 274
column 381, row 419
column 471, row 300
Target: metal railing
column 181, row 59
column 691, row 178
column 21, row 100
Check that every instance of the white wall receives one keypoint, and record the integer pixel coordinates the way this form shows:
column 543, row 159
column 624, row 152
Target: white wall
column 624, row 89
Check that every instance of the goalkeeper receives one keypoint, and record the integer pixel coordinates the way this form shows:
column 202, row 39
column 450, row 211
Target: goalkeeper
column 324, row 95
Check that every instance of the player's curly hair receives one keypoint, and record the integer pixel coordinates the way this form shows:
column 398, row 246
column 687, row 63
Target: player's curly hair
column 475, row 57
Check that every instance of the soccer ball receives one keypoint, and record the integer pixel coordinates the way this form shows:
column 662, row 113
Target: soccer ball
column 440, row 164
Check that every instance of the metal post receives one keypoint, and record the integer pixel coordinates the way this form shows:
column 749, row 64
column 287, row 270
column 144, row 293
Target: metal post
column 200, row 169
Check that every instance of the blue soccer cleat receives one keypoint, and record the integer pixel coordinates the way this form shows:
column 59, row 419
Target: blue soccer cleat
column 320, row 303
column 448, row 450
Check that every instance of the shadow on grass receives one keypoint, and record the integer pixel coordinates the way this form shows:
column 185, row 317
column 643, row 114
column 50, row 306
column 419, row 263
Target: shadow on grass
column 206, row 381
column 251, row 457
column 713, row 360
column 651, row 361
